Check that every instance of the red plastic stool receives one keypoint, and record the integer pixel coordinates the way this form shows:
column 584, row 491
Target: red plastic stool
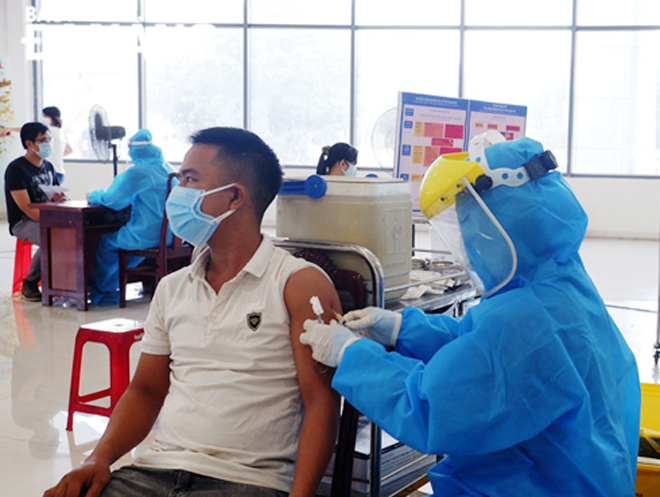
column 22, row 260
column 118, row 335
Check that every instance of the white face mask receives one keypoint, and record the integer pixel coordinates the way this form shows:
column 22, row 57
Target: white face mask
column 45, row 150
column 351, row 170
column 186, row 218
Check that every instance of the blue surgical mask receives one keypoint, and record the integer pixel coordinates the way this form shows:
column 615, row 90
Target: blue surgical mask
column 186, row 219
column 45, row 150
column 352, row 170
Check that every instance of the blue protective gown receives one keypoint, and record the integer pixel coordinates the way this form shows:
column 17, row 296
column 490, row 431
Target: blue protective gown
column 144, row 188
column 534, row 392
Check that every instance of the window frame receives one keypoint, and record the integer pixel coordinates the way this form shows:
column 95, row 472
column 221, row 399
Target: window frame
column 246, row 26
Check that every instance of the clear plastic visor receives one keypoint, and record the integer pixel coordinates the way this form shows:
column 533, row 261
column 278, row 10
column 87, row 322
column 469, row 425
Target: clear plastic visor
column 478, row 241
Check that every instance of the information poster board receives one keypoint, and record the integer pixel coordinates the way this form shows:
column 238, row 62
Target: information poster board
column 429, row 126
column 507, row 119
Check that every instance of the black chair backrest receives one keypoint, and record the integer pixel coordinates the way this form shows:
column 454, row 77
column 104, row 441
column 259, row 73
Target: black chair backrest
column 344, row 280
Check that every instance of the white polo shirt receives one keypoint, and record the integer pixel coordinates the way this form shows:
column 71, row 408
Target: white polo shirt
column 234, row 409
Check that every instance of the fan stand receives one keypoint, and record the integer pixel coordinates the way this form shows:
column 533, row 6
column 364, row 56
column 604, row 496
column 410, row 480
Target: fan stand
column 114, row 158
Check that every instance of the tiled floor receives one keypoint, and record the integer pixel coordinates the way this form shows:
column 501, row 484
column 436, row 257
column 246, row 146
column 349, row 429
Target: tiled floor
column 35, row 360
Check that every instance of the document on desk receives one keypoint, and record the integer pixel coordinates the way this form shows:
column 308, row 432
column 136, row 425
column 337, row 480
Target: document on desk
column 50, row 191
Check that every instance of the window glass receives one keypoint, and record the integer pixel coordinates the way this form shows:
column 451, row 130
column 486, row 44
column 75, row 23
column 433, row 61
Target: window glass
column 194, row 11
column 300, row 11
column 617, row 103
column 300, row 90
column 518, row 13
column 615, row 12
column 88, row 10
column 100, row 70
column 194, row 81
column 299, row 86
column 409, row 13
column 530, row 68
column 390, row 61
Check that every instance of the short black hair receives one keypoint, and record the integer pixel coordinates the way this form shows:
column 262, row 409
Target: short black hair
column 331, row 155
column 247, row 160
column 30, row 131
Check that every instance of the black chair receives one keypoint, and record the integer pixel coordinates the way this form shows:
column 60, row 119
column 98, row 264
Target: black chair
column 349, row 284
column 160, row 261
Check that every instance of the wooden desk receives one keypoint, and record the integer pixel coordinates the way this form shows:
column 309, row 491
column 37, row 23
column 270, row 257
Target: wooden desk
column 70, row 232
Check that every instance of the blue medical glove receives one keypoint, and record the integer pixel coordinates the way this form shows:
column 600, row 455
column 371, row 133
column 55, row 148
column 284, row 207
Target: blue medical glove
column 378, row 324
column 328, row 341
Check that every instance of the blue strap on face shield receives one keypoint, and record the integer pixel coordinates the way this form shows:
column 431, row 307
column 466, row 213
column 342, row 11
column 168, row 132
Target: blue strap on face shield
column 535, row 168
column 541, row 164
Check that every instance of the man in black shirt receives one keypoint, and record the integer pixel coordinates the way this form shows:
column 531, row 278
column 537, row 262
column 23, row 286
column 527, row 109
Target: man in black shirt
column 23, row 179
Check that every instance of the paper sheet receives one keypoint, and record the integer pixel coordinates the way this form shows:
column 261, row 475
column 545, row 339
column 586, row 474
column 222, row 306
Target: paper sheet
column 50, row 191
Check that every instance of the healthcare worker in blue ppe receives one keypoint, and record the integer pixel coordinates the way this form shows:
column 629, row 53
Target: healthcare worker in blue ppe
column 534, row 392
column 143, row 187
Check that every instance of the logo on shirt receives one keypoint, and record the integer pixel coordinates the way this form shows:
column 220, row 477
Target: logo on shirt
column 254, row 320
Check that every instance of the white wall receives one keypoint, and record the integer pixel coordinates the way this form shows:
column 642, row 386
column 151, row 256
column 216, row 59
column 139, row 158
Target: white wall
column 626, row 208
column 12, row 27
column 20, row 74
column 84, row 177
column 620, row 207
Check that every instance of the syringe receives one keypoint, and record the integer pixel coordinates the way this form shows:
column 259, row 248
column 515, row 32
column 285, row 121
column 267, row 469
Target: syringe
column 318, row 310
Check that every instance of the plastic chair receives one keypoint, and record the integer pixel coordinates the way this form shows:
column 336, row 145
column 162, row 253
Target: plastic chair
column 118, row 335
column 161, row 260
column 22, row 260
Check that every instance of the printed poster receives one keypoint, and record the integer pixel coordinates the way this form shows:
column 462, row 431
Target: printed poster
column 507, row 119
column 429, row 126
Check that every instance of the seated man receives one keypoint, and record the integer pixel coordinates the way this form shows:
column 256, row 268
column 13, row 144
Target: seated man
column 142, row 187
column 23, row 179
column 243, row 409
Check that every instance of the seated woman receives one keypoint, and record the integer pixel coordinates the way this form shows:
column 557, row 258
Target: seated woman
column 143, row 187
column 338, row 160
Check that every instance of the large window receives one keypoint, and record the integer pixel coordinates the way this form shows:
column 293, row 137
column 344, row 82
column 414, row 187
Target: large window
column 393, row 60
column 617, row 104
column 194, row 80
column 524, row 67
column 85, row 66
column 307, row 73
column 299, row 90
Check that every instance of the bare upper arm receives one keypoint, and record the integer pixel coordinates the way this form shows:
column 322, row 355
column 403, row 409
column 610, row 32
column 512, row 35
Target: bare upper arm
column 152, row 376
column 301, row 286
column 22, row 199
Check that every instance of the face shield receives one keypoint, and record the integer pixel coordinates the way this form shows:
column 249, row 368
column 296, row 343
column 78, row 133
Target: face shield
column 450, row 199
column 454, row 208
